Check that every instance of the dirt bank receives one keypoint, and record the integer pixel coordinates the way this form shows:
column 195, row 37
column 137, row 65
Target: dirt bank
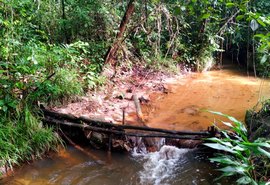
column 109, row 101
column 173, row 102
column 229, row 91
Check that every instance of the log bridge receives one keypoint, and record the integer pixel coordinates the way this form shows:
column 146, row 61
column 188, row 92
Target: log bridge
column 100, row 132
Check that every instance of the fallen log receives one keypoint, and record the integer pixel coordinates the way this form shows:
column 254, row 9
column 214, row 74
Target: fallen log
column 75, row 119
column 96, row 122
column 123, row 133
column 101, row 134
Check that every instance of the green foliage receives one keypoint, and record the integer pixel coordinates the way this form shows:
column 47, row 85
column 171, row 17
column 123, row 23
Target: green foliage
column 164, row 64
column 238, row 156
column 246, row 36
column 24, row 138
column 36, row 66
column 264, row 51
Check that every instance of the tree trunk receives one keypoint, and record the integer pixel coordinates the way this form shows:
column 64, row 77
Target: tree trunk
column 66, row 39
column 110, row 56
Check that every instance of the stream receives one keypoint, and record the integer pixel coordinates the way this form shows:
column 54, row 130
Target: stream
column 228, row 90
column 71, row 167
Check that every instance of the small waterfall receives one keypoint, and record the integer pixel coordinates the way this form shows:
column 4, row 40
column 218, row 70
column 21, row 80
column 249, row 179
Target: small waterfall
column 159, row 167
column 139, row 146
column 145, row 145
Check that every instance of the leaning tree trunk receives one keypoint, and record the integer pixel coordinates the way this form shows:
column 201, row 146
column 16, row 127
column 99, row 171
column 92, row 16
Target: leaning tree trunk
column 64, row 17
column 110, row 56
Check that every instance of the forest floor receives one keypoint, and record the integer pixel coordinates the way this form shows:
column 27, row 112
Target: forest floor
column 110, row 100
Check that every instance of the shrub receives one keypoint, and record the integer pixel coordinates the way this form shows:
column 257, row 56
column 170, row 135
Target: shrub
column 238, row 156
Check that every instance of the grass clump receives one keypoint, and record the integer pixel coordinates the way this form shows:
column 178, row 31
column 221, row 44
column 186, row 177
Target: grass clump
column 24, row 139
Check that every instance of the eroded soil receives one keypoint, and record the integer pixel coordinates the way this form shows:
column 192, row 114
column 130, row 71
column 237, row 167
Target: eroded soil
column 173, row 102
column 109, row 102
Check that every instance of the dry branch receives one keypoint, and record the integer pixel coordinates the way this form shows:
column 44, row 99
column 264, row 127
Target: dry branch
column 97, row 159
column 227, row 22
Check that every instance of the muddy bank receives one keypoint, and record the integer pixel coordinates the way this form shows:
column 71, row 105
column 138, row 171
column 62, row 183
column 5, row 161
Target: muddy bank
column 228, row 90
column 174, row 102
column 108, row 102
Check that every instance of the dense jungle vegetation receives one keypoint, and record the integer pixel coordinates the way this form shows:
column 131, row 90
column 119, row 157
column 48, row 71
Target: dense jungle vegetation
column 51, row 50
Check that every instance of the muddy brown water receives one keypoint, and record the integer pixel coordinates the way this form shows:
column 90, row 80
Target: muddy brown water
column 229, row 91
column 71, row 167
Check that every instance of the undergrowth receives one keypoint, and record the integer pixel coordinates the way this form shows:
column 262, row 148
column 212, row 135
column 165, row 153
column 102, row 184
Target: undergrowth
column 162, row 64
column 240, row 157
column 24, row 139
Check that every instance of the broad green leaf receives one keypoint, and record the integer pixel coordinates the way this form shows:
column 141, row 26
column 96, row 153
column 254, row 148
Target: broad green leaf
column 264, row 152
column 238, row 148
column 244, row 180
column 235, row 121
column 233, row 169
column 218, row 146
column 2, row 102
column 227, row 124
column 12, row 104
column 230, row 5
column 225, row 160
column 255, row 144
column 217, row 140
column 239, row 17
column 260, row 35
column 264, row 59
column 261, row 22
column 225, row 174
column 206, row 16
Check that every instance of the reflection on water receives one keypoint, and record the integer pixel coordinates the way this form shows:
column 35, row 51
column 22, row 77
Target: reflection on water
column 169, row 166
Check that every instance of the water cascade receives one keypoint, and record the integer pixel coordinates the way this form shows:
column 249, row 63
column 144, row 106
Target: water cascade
column 159, row 167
